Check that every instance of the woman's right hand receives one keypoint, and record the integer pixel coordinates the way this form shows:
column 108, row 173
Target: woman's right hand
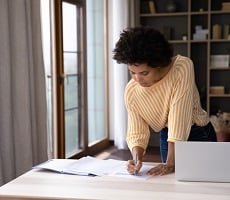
column 132, row 168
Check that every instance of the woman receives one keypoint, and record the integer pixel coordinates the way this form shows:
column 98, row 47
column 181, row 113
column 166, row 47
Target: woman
column 162, row 94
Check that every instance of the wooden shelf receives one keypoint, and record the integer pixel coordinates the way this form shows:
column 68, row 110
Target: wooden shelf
column 219, row 95
column 164, row 14
column 219, row 12
column 189, row 14
column 220, row 40
column 199, row 13
column 219, row 68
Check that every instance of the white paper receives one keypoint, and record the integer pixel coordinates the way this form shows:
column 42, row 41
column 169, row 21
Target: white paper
column 93, row 166
column 142, row 174
column 55, row 164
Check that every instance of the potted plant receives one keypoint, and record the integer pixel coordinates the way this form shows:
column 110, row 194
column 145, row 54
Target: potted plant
column 221, row 124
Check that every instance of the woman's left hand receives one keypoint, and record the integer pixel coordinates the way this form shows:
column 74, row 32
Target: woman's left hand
column 162, row 169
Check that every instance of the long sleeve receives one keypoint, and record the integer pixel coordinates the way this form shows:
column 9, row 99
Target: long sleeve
column 181, row 105
column 138, row 130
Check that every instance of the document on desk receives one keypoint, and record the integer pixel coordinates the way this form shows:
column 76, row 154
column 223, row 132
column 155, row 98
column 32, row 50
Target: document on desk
column 88, row 165
column 122, row 172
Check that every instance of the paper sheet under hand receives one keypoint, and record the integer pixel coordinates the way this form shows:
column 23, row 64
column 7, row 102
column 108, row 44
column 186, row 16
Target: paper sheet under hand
column 142, row 174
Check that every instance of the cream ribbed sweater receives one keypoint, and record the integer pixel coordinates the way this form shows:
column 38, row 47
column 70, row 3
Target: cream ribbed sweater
column 173, row 102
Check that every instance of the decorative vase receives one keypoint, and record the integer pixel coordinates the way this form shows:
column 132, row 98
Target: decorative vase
column 184, row 37
column 171, row 6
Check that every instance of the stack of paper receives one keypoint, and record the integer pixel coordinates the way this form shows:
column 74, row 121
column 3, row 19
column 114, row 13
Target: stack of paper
column 88, row 165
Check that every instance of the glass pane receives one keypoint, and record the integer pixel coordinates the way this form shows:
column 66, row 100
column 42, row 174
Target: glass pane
column 70, row 63
column 71, row 80
column 71, row 93
column 71, row 130
column 69, row 27
column 95, row 70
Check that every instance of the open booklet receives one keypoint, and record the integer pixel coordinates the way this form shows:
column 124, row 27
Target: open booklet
column 88, row 165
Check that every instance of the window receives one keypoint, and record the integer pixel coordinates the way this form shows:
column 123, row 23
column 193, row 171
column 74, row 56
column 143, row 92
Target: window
column 78, row 77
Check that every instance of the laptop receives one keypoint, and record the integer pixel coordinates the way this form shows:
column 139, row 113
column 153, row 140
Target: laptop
column 202, row 161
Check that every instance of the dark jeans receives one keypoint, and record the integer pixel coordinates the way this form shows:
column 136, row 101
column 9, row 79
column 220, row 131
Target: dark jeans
column 197, row 133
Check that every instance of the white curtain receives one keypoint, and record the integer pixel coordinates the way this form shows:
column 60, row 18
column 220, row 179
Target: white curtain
column 23, row 126
column 120, row 17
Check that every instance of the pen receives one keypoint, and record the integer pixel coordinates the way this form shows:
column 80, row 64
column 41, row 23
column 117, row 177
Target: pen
column 135, row 163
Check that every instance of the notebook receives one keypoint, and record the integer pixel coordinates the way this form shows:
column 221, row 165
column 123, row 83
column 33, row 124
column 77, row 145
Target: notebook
column 202, row 161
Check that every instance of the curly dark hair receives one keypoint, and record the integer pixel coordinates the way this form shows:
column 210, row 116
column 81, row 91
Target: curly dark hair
column 143, row 45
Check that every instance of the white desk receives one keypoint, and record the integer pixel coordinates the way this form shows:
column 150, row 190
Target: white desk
column 37, row 184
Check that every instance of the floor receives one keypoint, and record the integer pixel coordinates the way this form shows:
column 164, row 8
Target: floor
column 152, row 154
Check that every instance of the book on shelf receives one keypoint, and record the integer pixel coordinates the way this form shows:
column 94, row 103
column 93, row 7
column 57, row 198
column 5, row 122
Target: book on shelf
column 219, row 61
column 225, row 31
column 216, row 31
column 152, row 7
column 226, row 6
column 148, row 7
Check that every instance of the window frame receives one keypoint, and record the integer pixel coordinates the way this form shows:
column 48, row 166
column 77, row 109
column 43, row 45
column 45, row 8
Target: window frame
column 59, row 136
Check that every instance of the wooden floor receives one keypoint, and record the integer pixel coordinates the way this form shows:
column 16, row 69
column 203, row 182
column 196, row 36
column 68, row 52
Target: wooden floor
column 152, row 154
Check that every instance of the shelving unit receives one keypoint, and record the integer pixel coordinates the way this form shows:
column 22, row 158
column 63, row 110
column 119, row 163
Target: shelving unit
column 188, row 15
